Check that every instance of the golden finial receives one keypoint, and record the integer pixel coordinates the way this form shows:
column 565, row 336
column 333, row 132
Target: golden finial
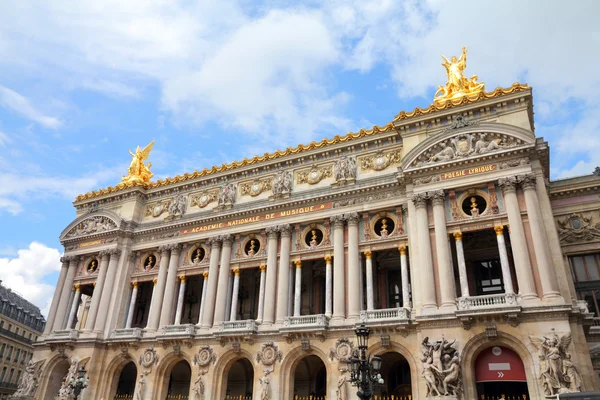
column 138, row 172
column 457, row 86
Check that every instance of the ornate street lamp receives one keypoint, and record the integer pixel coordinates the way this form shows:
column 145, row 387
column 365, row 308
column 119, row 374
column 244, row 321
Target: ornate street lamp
column 364, row 371
column 79, row 382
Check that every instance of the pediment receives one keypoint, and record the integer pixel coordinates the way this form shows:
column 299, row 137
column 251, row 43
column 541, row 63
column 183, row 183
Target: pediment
column 466, row 143
column 91, row 224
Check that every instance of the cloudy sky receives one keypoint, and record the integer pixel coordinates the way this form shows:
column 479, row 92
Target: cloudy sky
column 214, row 81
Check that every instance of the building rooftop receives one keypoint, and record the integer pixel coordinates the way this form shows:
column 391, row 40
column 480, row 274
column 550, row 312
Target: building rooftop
column 12, row 297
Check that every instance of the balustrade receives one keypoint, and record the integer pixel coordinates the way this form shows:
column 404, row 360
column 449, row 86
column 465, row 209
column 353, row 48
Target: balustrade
column 385, row 314
column 487, row 301
column 248, row 325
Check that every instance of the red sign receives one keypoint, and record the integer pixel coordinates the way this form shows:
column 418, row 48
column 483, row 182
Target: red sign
column 499, row 364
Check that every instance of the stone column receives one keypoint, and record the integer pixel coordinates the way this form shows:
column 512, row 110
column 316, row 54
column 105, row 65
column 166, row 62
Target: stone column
column 339, row 273
column 159, row 289
column 518, row 240
column 328, row 286
column 166, row 312
column 404, row 277
column 369, row 273
column 426, row 276
column 229, row 293
column 180, row 298
column 298, row 288
column 57, row 294
column 65, row 294
column 97, row 294
column 446, row 272
column 154, row 282
column 270, row 284
column 224, row 273
column 234, row 294
column 261, row 294
column 462, row 267
column 353, row 266
column 290, row 293
column 213, row 280
column 74, row 306
column 283, row 287
column 134, row 292
column 506, row 277
column 203, row 300
column 540, row 239
column 107, row 290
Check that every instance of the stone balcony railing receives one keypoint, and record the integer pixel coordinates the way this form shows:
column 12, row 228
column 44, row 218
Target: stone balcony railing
column 63, row 335
column 385, row 316
column 243, row 326
column 595, row 328
column 187, row 330
column 314, row 322
column 126, row 334
column 489, row 301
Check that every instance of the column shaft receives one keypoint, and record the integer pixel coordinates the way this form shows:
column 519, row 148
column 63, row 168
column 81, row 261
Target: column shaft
column 74, row 307
column 339, row 273
column 504, row 264
column 540, row 239
column 159, row 290
column 446, row 272
column 404, row 277
column 224, row 273
column 97, row 294
column 107, row 291
column 234, row 294
column 203, row 299
column 518, row 241
column 328, row 286
column 426, row 262
column 166, row 312
column 132, row 302
column 211, row 287
column 229, row 293
column 283, row 287
column 462, row 267
column 57, row 295
column 270, row 285
column 369, row 274
column 180, row 298
column 65, row 295
column 353, row 267
column 261, row 294
column 298, row 288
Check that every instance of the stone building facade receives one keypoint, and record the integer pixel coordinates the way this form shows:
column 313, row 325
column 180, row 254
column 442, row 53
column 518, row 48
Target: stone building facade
column 20, row 325
column 440, row 231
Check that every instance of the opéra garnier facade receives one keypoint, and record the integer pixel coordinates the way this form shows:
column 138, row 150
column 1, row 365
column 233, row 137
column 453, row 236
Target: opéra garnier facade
column 436, row 231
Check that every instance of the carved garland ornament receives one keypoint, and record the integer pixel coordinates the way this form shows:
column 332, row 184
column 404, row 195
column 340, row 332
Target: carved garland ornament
column 205, row 357
column 314, row 175
column 203, row 199
column 157, row 208
column 577, row 228
column 342, row 351
column 269, row 354
column 380, row 160
column 92, row 225
column 256, row 187
column 149, row 359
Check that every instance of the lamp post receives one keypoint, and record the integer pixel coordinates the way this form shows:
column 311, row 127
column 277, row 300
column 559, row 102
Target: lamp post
column 79, row 382
column 364, row 371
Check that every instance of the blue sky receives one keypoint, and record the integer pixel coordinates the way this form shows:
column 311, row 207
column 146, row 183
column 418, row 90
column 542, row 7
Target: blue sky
column 211, row 82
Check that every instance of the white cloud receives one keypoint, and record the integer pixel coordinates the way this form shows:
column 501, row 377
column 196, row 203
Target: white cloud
column 4, row 139
column 26, row 273
column 21, row 105
column 111, row 89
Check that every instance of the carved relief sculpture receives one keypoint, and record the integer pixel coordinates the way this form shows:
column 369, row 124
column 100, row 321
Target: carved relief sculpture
column 342, row 350
column 341, row 390
column 256, row 187
column 282, row 184
column 29, row 381
column 269, row 354
column 577, row 228
column 203, row 199
column 65, row 389
column 380, row 160
column 441, row 368
column 226, row 196
column 198, row 387
column 92, row 225
column 265, row 391
column 314, row 175
column 557, row 372
column 344, row 170
column 156, row 209
column 178, row 206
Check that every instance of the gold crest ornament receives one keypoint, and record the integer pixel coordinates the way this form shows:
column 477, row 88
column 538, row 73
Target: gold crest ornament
column 457, row 86
column 138, row 172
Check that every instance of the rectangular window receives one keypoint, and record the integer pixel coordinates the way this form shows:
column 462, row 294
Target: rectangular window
column 2, row 349
column 10, row 376
column 18, row 377
column 585, row 267
column 9, row 352
column 17, row 354
column 3, row 374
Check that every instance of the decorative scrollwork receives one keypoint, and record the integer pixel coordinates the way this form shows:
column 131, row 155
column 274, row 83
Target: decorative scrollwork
column 255, row 187
column 314, row 175
column 342, row 351
column 92, row 225
column 269, row 354
column 205, row 357
column 380, row 160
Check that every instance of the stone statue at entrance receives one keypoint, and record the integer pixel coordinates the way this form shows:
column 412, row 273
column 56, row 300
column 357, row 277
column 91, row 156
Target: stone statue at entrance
column 557, row 372
column 264, row 385
column 198, row 387
column 65, row 390
column 29, row 382
column 341, row 390
column 441, row 369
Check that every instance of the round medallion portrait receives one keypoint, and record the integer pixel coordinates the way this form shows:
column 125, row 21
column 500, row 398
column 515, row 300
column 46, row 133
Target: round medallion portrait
column 474, row 205
column 252, row 247
column 384, row 227
column 197, row 255
column 314, row 237
column 92, row 266
column 149, row 262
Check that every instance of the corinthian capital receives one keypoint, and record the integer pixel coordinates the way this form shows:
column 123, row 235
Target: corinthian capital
column 214, row 241
column 337, row 220
column 419, row 199
column 507, row 184
column 67, row 259
column 437, row 197
column 272, row 231
column 227, row 239
column 527, row 181
column 352, row 218
column 285, row 230
column 104, row 253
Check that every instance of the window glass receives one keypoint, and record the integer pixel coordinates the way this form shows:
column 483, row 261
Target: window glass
column 592, row 267
column 579, row 268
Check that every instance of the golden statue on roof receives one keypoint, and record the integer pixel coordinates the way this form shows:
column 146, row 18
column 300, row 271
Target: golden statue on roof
column 457, row 86
column 138, row 172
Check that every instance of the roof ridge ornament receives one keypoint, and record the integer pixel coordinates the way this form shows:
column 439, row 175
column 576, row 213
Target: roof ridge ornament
column 457, row 85
column 459, row 121
column 138, row 172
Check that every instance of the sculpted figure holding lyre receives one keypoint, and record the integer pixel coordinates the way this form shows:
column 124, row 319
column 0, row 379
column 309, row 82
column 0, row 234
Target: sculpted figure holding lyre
column 138, row 171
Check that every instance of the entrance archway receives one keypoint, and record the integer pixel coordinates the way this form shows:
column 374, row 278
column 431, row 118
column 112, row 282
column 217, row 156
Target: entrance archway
column 310, row 378
column 395, row 372
column 55, row 379
column 500, row 371
column 126, row 383
column 240, row 379
column 179, row 381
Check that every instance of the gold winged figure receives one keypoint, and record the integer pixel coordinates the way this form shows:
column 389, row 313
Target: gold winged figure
column 138, row 172
column 457, row 85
